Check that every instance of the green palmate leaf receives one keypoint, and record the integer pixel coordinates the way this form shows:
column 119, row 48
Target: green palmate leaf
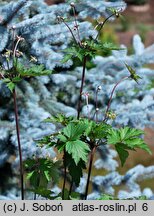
column 35, row 70
column 75, row 196
column 107, row 197
column 138, row 143
column 62, row 138
column 109, row 46
column 73, row 131
column 78, row 149
column 133, row 74
column 95, row 130
column 44, row 193
column 122, row 152
column 11, row 86
column 33, row 178
column 76, row 171
column 127, row 133
column 89, row 127
column 30, row 174
column 59, row 118
column 126, row 139
column 55, row 171
column 100, row 131
column 113, row 136
column 47, row 175
column 6, row 80
column 66, row 58
column 16, row 79
column 42, row 170
column 47, row 141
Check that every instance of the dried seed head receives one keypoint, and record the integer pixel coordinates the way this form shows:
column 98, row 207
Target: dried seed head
column 19, row 38
column 13, row 27
column 84, row 44
column 7, row 54
column 99, row 88
column 18, row 53
column 97, row 109
column 33, row 59
column 117, row 14
column 72, row 4
column 60, row 19
column 55, row 159
column 111, row 115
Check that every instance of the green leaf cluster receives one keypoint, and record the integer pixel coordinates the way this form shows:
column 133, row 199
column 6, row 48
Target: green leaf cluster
column 133, row 74
column 41, row 171
column 126, row 139
column 34, row 70
column 110, row 197
column 76, row 139
column 87, row 48
column 59, row 118
column 19, row 72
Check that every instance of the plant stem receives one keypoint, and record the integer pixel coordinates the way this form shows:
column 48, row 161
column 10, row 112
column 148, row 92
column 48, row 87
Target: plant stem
column 96, row 104
column 109, row 103
column 81, row 87
column 70, row 190
column 79, row 102
column 70, row 31
column 76, row 25
column 64, row 182
column 102, row 25
column 19, row 145
column 90, row 169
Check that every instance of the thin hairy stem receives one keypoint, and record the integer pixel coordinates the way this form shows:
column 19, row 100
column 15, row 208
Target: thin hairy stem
column 76, row 25
column 70, row 190
column 65, row 175
column 81, row 87
column 111, row 96
column 19, row 145
column 70, row 31
column 37, row 185
column 96, row 104
column 13, row 38
column 102, row 25
column 7, row 62
column 92, row 153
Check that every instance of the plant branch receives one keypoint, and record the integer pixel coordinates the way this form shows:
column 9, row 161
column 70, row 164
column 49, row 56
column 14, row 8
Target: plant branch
column 76, row 25
column 90, row 169
column 70, row 190
column 81, row 87
column 19, row 145
column 111, row 96
column 102, row 25
column 70, row 31
column 64, row 182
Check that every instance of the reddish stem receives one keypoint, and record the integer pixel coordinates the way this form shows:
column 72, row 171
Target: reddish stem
column 81, row 88
column 19, row 144
column 112, row 92
column 90, row 169
column 65, row 173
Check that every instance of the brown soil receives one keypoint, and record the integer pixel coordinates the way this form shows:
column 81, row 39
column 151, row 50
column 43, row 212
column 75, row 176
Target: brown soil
column 138, row 15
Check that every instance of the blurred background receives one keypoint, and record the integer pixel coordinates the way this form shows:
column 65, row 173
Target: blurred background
column 55, row 92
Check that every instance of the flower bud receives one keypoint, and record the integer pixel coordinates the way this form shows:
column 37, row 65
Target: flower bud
column 72, row 4
column 97, row 109
column 99, row 88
